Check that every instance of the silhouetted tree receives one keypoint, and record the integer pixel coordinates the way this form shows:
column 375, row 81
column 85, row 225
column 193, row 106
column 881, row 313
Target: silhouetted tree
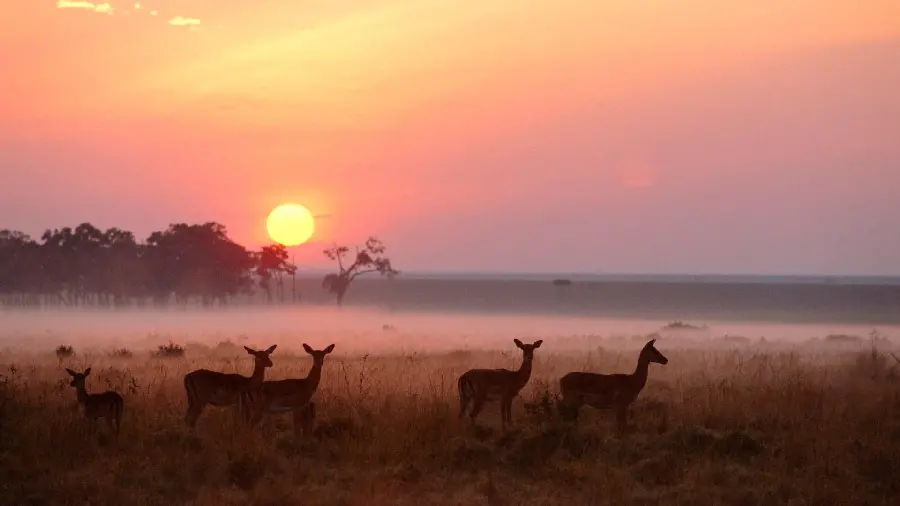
column 20, row 268
column 197, row 260
column 89, row 266
column 368, row 259
column 272, row 261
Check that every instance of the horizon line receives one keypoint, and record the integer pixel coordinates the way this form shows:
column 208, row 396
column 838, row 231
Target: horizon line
column 588, row 274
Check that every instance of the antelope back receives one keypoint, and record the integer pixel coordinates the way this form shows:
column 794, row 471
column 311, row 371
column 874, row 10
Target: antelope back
column 107, row 404
column 489, row 384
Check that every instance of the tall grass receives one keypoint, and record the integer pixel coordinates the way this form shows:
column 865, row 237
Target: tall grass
column 741, row 426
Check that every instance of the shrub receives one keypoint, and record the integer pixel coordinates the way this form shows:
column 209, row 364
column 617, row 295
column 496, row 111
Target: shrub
column 64, row 351
column 170, row 350
column 121, row 353
column 680, row 325
column 842, row 338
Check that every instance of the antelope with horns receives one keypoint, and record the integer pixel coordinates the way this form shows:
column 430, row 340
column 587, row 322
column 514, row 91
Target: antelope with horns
column 288, row 395
column 605, row 391
column 223, row 389
column 478, row 386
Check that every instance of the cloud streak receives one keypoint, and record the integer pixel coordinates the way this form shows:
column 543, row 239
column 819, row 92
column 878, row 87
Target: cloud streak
column 183, row 21
column 107, row 8
column 102, row 8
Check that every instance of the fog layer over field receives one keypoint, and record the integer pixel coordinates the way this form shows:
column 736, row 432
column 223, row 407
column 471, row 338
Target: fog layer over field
column 807, row 415
column 378, row 331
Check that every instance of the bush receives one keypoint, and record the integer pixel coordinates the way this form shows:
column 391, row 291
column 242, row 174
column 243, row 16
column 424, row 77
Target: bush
column 121, row 353
column 680, row 325
column 170, row 350
column 64, row 351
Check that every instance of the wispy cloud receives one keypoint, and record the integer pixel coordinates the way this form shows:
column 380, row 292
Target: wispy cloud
column 135, row 7
column 183, row 21
column 103, row 8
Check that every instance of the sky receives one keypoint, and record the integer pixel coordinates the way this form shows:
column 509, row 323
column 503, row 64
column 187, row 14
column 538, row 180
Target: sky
column 660, row 136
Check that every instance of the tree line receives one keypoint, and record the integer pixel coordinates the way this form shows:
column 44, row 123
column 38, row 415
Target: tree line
column 88, row 266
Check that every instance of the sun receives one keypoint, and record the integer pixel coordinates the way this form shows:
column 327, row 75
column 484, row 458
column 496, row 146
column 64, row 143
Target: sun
column 290, row 224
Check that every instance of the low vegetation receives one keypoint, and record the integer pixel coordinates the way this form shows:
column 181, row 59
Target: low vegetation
column 680, row 325
column 64, row 351
column 121, row 353
column 170, row 350
column 749, row 425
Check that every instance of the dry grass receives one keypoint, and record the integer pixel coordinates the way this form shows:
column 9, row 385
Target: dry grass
column 742, row 426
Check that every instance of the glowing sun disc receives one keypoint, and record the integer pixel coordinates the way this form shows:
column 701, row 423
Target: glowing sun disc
column 290, row 224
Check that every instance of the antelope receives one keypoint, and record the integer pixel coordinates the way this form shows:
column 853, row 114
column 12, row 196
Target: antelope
column 108, row 405
column 481, row 385
column 605, row 391
column 288, row 395
column 222, row 389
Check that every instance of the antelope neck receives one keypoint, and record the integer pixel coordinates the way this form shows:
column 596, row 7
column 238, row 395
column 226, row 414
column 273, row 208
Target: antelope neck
column 314, row 375
column 524, row 371
column 640, row 372
column 81, row 393
column 259, row 371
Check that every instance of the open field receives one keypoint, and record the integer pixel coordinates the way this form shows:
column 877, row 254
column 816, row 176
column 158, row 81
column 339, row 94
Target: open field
column 836, row 301
column 740, row 422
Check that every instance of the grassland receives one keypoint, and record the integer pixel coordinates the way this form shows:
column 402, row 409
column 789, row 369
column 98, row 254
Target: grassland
column 752, row 424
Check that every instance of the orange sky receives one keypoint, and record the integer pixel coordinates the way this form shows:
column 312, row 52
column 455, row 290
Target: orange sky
column 652, row 136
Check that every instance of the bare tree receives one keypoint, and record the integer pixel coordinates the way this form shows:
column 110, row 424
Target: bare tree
column 369, row 258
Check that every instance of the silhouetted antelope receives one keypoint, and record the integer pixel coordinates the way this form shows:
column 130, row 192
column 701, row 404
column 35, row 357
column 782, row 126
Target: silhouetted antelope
column 288, row 395
column 108, row 405
column 605, row 391
column 482, row 385
column 223, row 389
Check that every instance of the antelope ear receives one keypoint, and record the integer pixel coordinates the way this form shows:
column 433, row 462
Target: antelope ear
column 651, row 342
column 250, row 351
column 518, row 343
column 87, row 371
column 307, row 349
column 537, row 344
column 329, row 349
column 71, row 372
column 271, row 348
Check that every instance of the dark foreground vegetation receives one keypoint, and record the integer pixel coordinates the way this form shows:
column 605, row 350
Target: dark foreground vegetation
column 87, row 266
column 751, row 426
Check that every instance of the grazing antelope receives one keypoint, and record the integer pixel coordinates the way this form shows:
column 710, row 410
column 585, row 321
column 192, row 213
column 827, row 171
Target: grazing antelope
column 288, row 395
column 481, row 385
column 604, row 391
column 108, row 405
column 223, row 389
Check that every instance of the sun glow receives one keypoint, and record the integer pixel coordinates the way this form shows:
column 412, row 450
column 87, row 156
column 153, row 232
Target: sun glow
column 290, row 224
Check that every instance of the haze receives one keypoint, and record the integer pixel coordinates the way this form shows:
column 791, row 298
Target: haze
column 362, row 331
column 606, row 136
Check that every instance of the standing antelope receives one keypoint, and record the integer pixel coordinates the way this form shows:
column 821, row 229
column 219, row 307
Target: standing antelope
column 222, row 389
column 108, row 405
column 288, row 395
column 604, row 391
column 481, row 385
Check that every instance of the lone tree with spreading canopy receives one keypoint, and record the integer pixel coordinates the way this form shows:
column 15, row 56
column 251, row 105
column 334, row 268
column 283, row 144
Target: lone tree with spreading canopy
column 368, row 259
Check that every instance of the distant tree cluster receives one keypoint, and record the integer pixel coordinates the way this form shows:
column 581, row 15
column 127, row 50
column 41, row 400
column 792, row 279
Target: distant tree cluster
column 90, row 266
column 94, row 267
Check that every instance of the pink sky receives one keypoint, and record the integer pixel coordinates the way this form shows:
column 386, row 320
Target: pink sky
column 749, row 136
